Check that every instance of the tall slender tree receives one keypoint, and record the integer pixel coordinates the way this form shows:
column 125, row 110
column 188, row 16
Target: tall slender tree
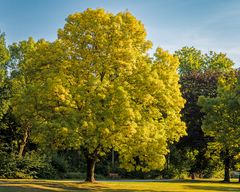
column 21, row 83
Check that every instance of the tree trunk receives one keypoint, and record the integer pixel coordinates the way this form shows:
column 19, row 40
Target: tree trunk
column 227, row 167
column 113, row 159
column 90, row 170
column 24, row 142
column 193, row 176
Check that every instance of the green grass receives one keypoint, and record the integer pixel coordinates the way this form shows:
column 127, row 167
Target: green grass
column 158, row 186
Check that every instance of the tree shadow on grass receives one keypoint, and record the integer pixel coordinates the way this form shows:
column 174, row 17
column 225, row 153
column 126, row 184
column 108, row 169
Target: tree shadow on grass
column 207, row 188
column 214, row 188
column 196, row 181
column 43, row 187
column 64, row 187
column 190, row 181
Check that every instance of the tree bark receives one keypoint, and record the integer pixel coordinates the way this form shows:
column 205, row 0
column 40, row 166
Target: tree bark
column 227, row 160
column 24, row 142
column 113, row 159
column 90, row 170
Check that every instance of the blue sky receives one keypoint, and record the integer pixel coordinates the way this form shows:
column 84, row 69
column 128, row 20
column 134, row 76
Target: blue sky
column 170, row 24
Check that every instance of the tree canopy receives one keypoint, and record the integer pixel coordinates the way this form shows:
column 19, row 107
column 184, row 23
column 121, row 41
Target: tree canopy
column 96, row 88
column 193, row 60
column 199, row 75
column 222, row 120
column 4, row 57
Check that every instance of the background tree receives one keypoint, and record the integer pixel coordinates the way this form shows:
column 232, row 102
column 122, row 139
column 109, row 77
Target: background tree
column 194, row 85
column 11, row 166
column 222, row 120
column 193, row 60
column 199, row 75
column 20, row 87
column 4, row 93
column 96, row 88
column 4, row 57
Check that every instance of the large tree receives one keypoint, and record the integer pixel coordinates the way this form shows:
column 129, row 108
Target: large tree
column 96, row 88
column 222, row 119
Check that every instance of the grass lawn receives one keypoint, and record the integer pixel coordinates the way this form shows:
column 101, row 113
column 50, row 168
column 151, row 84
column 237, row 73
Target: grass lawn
column 107, row 186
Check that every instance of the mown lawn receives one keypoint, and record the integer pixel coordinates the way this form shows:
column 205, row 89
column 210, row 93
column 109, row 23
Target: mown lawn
column 156, row 186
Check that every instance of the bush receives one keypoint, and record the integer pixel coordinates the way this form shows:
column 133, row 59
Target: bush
column 8, row 165
column 75, row 175
column 32, row 165
column 59, row 163
column 218, row 172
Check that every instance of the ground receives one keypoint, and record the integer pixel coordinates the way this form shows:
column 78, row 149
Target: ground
column 120, row 186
